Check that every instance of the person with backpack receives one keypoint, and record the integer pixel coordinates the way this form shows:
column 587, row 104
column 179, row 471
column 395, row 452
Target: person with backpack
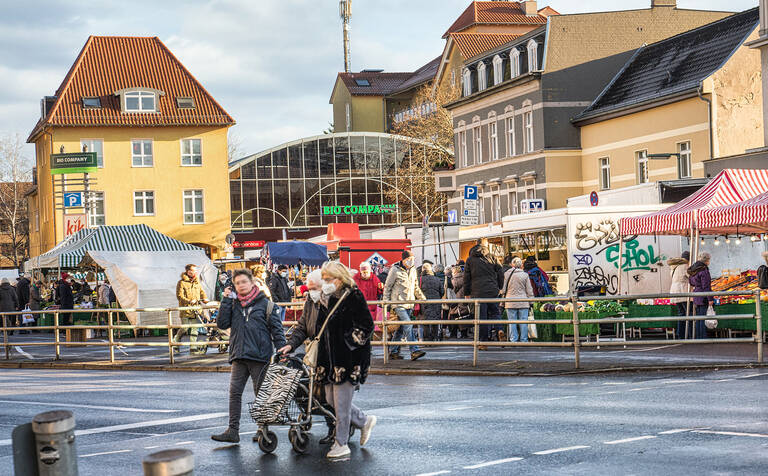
column 539, row 279
column 762, row 273
column 256, row 331
column 517, row 284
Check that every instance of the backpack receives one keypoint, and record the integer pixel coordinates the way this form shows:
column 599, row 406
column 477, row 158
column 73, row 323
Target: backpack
column 762, row 277
column 540, row 285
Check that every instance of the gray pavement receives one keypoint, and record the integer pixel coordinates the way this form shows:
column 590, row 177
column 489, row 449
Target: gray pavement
column 705, row 422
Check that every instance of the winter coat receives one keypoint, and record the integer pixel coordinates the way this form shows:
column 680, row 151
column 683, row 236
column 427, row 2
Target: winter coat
column 22, row 291
column 402, row 285
column 189, row 292
column 679, row 270
column 370, row 289
column 701, row 281
column 482, row 277
column 278, row 287
column 253, row 335
column 457, row 282
column 432, row 287
column 517, row 284
column 104, row 294
column 345, row 351
column 9, row 299
column 35, row 299
column 64, row 295
column 306, row 327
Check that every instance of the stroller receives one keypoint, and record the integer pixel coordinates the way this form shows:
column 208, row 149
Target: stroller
column 288, row 396
column 216, row 337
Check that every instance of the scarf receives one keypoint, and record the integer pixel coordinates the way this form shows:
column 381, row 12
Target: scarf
column 246, row 300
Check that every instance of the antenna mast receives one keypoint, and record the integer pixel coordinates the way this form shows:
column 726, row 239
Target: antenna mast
column 345, row 12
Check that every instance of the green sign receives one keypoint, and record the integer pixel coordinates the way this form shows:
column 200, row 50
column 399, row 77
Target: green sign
column 76, row 163
column 360, row 210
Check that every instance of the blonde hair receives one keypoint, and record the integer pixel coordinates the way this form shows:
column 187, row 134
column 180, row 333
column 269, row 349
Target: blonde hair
column 765, row 256
column 259, row 271
column 426, row 268
column 337, row 270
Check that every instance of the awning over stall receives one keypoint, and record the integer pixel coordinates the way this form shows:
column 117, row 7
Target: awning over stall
column 749, row 216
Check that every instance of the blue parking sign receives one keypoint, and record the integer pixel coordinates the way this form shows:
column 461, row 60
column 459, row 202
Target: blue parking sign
column 470, row 192
column 453, row 216
column 73, row 199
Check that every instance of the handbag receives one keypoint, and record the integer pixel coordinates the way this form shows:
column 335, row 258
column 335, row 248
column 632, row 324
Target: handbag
column 710, row 323
column 532, row 332
column 27, row 318
column 312, row 347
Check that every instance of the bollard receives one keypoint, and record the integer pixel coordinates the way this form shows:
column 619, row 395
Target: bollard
column 55, row 443
column 176, row 462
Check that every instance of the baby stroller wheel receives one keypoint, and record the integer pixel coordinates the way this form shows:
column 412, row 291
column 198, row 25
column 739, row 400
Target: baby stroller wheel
column 267, row 446
column 308, row 425
column 299, row 440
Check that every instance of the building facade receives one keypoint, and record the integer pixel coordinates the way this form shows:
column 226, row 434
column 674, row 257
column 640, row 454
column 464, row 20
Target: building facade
column 160, row 140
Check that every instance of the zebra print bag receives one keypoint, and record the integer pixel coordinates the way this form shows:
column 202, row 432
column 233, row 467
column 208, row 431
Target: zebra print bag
column 276, row 392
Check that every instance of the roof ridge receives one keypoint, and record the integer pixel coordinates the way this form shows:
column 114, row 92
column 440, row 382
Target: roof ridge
column 706, row 25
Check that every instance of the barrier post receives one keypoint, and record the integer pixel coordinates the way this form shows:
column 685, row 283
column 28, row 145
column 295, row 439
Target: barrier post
column 5, row 339
column 111, row 338
column 384, row 334
column 576, row 333
column 476, row 337
column 56, row 337
column 170, row 337
column 759, row 318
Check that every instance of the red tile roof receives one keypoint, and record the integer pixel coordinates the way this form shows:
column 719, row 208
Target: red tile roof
column 497, row 13
column 421, row 75
column 473, row 44
column 107, row 64
column 381, row 83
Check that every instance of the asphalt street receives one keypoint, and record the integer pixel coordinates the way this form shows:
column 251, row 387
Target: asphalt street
column 708, row 422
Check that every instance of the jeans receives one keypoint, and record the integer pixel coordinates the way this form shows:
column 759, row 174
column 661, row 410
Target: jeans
column 192, row 331
column 242, row 369
column 281, row 310
column 700, row 327
column 518, row 315
column 681, row 325
column 407, row 330
column 489, row 312
column 339, row 396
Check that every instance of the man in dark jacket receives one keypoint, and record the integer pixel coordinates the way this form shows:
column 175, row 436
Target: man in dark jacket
column 66, row 298
column 22, row 290
column 483, row 279
column 256, row 330
column 701, row 281
column 9, row 302
column 278, row 287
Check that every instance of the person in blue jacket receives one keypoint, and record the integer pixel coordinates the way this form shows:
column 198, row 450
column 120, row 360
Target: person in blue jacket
column 256, row 331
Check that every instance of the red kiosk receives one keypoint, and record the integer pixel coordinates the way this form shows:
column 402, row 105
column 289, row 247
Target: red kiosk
column 345, row 238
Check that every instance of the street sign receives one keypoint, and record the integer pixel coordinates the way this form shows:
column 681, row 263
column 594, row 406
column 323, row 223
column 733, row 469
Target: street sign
column 73, row 199
column 470, row 204
column 470, row 212
column 470, row 192
column 532, row 205
column 469, row 221
column 377, row 259
column 593, row 199
column 77, row 163
column 74, row 223
column 453, row 216
column 230, row 238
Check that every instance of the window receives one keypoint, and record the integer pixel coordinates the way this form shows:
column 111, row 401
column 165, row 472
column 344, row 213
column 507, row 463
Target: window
column 511, row 136
column 190, row 152
column 141, row 152
column 193, row 207
column 96, row 215
column 349, row 115
column 642, row 166
column 512, row 202
column 185, row 103
column 514, row 57
column 466, row 79
column 496, row 212
column 481, row 79
column 605, row 173
column 94, row 145
column 533, row 56
column 477, row 150
column 498, row 70
column 530, row 188
column 463, row 148
column 91, row 103
column 363, row 83
column 143, row 203
column 528, row 125
column 493, row 139
column 684, row 160
column 140, row 101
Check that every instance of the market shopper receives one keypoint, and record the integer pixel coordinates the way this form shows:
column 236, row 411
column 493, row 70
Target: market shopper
column 279, row 289
column 459, row 311
column 762, row 272
column 517, row 284
column 679, row 272
column 189, row 292
column 65, row 298
column 483, row 279
column 369, row 284
column 260, row 279
column 701, row 281
column 255, row 331
column 539, row 279
column 432, row 288
column 9, row 302
column 402, row 285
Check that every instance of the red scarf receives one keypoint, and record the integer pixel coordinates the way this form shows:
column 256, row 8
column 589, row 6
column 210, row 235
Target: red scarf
column 246, row 300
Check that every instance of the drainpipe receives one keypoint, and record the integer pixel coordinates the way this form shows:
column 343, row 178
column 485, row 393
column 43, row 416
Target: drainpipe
column 709, row 114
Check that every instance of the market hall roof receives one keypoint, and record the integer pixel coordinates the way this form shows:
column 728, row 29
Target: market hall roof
column 673, row 66
column 498, row 13
column 108, row 64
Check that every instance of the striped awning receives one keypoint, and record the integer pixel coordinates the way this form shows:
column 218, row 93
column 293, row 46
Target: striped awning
column 749, row 216
column 70, row 251
column 728, row 187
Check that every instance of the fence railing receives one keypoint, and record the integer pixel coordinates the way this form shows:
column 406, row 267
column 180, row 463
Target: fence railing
column 112, row 327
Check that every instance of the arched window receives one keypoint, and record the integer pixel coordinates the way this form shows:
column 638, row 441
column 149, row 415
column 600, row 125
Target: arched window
column 514, row 58
column 481, row 77
column 466, row 79
column 498, row 70
column 533, row 56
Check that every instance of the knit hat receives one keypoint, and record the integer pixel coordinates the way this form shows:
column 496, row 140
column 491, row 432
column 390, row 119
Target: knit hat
column 64, row 276
column 407, row 254
column 686, row 255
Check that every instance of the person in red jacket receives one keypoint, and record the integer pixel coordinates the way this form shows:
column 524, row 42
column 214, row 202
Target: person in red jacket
column 369, row 285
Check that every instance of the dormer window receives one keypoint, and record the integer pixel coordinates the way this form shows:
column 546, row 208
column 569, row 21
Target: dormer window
column 481, row 78
column 91, row 103
column 139, row 100
column 498, row 70
column 533, row 56
column 466, row 78
column 514, row 60
column 185, row 103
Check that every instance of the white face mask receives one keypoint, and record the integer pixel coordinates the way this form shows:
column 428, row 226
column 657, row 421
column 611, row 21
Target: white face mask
column 329, row 288
column 284, row 274
column 315, row 294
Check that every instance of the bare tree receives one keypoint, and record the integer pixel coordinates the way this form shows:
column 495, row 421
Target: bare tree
column 234, row 146
column 15, row 182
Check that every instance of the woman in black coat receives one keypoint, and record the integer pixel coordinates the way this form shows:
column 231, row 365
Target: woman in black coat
column 432, row 287
column 344, row 354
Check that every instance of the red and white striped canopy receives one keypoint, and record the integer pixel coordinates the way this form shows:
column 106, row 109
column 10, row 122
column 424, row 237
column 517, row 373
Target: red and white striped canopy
column 728, row 187
column 749, row 216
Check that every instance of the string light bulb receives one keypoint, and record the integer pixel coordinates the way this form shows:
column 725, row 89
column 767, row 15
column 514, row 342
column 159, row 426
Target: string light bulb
column 727, row 241
column 765, row 237
column 702, row 241
column 738, row 240
column 717, row 241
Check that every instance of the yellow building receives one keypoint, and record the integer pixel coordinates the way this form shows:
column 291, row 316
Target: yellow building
column 160, row 140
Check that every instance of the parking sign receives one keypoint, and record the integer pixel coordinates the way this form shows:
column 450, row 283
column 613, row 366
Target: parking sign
column 470, row 192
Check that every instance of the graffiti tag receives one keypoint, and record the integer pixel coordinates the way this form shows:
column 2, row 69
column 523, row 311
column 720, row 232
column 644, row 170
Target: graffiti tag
column 583, row 260
column 596, row 276
column 634, row 257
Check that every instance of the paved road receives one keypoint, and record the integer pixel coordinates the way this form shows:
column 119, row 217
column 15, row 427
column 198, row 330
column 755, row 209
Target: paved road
column 670, row 423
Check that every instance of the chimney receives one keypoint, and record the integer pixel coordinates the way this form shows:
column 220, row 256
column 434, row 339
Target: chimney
column 529, row 7
column 663, row 3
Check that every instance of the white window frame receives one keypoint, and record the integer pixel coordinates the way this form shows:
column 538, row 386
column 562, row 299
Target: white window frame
column 140, row 96
column 512, row 201
column 143, row 155
column 529, row 188
column 642, row 171
column 533, row 56
column 192, row 195
column 495, row 204
column 514, row 63
column 91, row 143
column 466, row 79
column 684, row 158
column 477, row 143
column 498, row 70
column 145, row 197
column 528, row 130
column 191, row 155
column 510, row 121
column 482, row 80
column 92, row 215
column 463, row 148
column 493, row 139
column 604, row 164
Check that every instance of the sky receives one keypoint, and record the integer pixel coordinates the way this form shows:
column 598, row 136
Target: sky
column 270, row 63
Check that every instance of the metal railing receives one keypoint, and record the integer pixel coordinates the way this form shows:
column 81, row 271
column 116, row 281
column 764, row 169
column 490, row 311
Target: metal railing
column 475, row 323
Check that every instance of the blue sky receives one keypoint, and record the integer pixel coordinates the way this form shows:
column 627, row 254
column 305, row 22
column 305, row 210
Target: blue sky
column 270, row 63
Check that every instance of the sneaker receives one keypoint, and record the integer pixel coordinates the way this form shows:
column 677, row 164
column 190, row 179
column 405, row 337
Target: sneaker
column 338, row 451
column 365, row 433
column 418, row 354
column 229, row 436
column 395, row 357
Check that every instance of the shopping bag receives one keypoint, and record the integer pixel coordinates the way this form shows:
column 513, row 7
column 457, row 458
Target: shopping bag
column 27, row 318
column 711, row 323
column 532, row 333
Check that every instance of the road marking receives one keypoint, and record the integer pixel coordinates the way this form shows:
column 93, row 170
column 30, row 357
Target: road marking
column 183, row 443
column 629, row 440
column 151, row 447
column 95, row 407
column 614, row 383
column 666, row 382
column 560, row 398
column 639, row 389
column 560, row 450
column 519, row 385
column 731, row 433
column 672, row 432
column 492, row 463
column 434, row 474
column 751, row 375
column 106, row 453
column 725, row 380
column 20, row 351
column 462, row 408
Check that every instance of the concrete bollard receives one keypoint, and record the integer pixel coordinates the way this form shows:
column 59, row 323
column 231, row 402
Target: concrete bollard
column 55, row 443
column 176, row 462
